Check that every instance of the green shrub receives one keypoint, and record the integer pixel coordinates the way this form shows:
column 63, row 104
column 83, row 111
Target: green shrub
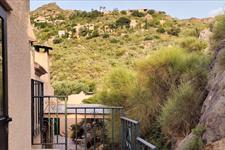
column 123, row 21
column 168, row 67
column 117, row 87
column 174, row 31
column 76, row 131
column 73, row 87
column 157, row 75
column 41, row 25
column 113, row 25
column 181, row 112
column 151, row 11
column 114, row 40
column 151, row 37
column 83, row 14
column 94, row 14
column 123, row 12
column 192, row 32
column 57, row 40
column 161, row 30
column 193, row 44
column 219, row 28
column 136, row 13
column 105, row 35
column 83, row 31
column 120, row 51
column 94, row 34
column 196, row 143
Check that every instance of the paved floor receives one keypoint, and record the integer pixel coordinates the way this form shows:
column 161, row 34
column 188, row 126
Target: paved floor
column 71, row 144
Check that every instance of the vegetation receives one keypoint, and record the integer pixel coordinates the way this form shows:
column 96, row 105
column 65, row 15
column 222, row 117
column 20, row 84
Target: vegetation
column 123, row 21
column 154, row 67
column 136, row 13
column 193, row 44
column 170, row 77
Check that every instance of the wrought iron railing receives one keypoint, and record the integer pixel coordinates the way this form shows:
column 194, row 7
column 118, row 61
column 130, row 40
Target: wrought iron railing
column 94, row 121
column 131, row 140
column 47, row 111
column 87, row 126
column 144, row 145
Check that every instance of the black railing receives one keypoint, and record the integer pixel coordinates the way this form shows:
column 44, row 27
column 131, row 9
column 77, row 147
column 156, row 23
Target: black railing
column 144, row 145
column 37, row 89
column 51, row 109
column 94, row 127
column 87, row 126
column 131, row 140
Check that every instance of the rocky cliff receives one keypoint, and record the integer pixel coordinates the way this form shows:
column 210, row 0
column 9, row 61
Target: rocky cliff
column 213, row 109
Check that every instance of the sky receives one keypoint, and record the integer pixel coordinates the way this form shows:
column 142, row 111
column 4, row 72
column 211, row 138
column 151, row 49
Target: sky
column 177, row 8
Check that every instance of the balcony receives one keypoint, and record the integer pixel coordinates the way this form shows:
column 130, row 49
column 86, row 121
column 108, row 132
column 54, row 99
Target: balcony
column 81, row 127
column 62, row 126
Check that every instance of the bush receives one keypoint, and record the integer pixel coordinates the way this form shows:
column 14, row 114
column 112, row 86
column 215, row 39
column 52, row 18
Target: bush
column 219, row 28
column 41, row 25
column 114, row 40
column 94, row 34
column 158, row 75
column 123, row 12
column 57, row 40
column 113, row 25
column 123, row 21
column 151, row 11
column 151, row 37
column 193, row 44
column 116, row 88
column 136, row 13
column 120, row 51
column 174, row 31
column 196, row 142
column 73, row 87
column 166, row 67
column 181, row 112
column 192, row 32
column 161, row 30
column 83, row 31
column 105, row 35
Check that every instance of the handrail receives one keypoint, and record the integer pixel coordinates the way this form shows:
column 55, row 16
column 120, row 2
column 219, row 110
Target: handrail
column 130, row 120
column 146, row 144
column 93, row 107
column 130, row 133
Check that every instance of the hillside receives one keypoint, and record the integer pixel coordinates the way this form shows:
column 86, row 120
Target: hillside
column 87, row 45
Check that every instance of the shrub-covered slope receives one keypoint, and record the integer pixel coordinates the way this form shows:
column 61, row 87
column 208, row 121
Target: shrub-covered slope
column 87, row 45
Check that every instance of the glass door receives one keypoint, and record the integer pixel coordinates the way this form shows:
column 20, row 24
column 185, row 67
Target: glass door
column 4, row 119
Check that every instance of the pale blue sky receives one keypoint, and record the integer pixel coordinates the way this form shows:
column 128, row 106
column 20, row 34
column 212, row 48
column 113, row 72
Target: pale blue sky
column 180, row 8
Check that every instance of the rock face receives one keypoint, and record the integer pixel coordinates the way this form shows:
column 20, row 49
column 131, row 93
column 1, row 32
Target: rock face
column 213, row 110
column 218, row 145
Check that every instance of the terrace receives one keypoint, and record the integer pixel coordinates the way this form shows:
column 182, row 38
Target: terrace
column 56, row 125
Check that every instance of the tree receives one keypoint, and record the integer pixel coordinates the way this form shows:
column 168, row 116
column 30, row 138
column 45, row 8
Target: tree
column 136, row 13
column 123, row 21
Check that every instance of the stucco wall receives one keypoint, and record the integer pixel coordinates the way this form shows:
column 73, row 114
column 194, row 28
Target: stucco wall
column 19, row 76
column 42, row 58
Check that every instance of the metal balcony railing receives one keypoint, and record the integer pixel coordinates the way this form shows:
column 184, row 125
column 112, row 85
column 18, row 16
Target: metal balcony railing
column 131, row 139
column 81, row 127
column 92, row 126
column 47, row 112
